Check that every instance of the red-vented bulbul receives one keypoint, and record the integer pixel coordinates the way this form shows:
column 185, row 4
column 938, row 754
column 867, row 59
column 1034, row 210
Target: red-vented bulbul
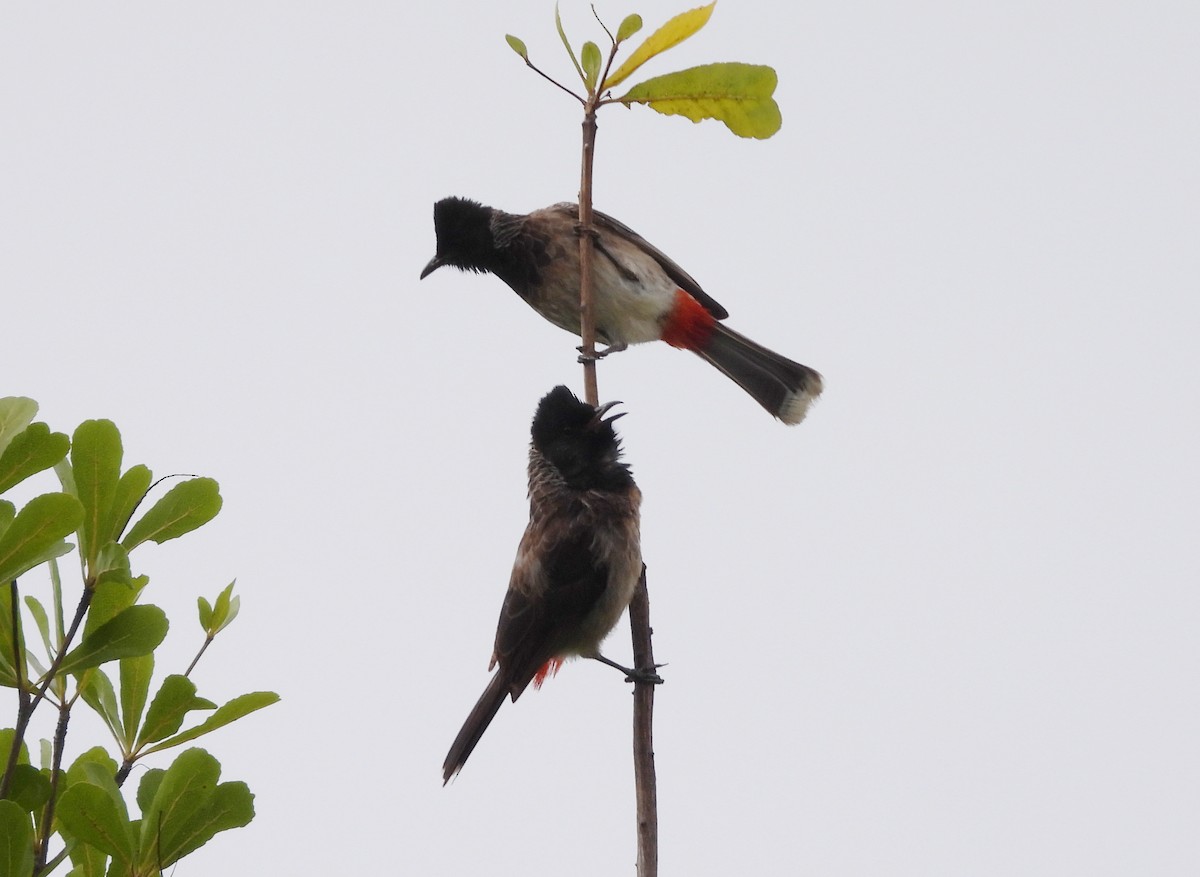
column 578, row 562
column 640, row 294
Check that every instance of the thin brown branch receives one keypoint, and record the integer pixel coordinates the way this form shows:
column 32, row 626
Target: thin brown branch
column 639, row 609
column 60, row 742
column 196, row 660
column 644, row 775
column 587, row 318
column 553, row 81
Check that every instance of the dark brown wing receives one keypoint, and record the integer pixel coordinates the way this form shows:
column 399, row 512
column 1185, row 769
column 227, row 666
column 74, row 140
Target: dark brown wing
column 536, row 622
column 686, row 282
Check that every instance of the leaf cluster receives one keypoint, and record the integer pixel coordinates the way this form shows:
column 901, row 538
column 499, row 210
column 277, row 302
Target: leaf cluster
column 103, row 655
column 736, row 94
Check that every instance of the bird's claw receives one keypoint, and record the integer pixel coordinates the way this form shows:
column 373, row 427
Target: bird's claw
column 599, row 354
column 646, row 674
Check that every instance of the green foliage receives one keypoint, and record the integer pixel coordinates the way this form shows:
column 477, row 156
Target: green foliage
column 215, row 618
column 16, row 413
column 737, row 94
column 518, row 46
column 629, row 26
column 591, row 64
column 562, row 35
column 666, row 37
column 134, row 632
column 185, row 507
column 16, row 841
column 36, row 533
column 184, row 806
column 30, row 452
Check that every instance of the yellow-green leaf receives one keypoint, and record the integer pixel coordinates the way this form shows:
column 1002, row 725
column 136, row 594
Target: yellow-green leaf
column 591, row 60
column 517, row 45
column 631, row 25
column 670, row 34
column 562, row 35
column 737, row 94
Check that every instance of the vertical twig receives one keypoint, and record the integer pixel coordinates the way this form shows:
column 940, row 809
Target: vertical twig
column 643, row 734
column 587, row 317
column 639, row 609
column 60, row 741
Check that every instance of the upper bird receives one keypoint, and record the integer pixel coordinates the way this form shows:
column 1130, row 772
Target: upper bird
column 640, row 293
column 578, row 562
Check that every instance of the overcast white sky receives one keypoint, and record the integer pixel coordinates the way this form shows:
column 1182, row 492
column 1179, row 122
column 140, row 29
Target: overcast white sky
column 947, row 626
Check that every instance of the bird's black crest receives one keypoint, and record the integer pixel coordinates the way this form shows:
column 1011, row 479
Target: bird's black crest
column 464, row 234
column 584, row 448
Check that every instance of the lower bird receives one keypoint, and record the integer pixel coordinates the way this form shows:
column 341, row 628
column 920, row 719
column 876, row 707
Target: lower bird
column 640, row 294
column 577, row 564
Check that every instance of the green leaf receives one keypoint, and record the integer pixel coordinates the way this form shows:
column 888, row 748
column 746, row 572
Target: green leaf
column 96, row 463
column 224, row 611
column 135, row 631
column 562, row 35
column 232, row 711
column 96, row 767
column 517, row 46
column 669, row 35
column 189, row 807
column 591, row 64
column 186, row 788
column 175, row 698
column 131, row 490
column 135, row 688
column 90, row 813
column 8, row 511
column 206, row 613
column 16, row 413
column 112, row 565
column 43, row 622
column 185, row 507
column 30, row 788
column 737, row 94
column 108, row 601
column 88, row 861
column 29, row 452
column 8, row 649
column 148, row 788
column 16, row 841
column 97, row 691
column 36, row 533
column 631, row 25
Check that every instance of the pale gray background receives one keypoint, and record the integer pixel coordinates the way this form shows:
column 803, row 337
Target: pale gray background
column 945, row 627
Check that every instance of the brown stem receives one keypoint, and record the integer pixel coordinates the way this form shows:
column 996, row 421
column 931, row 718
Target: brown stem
column 196, row 660
column 587, row 316
column 639, row 608
column 60, row 739
column 643, row 733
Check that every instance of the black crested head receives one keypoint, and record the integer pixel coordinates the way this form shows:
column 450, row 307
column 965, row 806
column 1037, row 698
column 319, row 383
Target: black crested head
column 578, row 441
column 464, row 236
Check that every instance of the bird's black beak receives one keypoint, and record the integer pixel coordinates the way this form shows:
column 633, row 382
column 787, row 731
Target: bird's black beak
column 434, row 264
column 599, row 418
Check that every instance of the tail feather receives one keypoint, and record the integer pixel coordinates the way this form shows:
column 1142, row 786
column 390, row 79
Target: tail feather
column 477, row 722
column 783, row 387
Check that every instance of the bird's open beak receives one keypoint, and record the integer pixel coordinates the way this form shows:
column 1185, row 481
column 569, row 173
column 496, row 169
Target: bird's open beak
column 601, row 411
column 434, row 264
